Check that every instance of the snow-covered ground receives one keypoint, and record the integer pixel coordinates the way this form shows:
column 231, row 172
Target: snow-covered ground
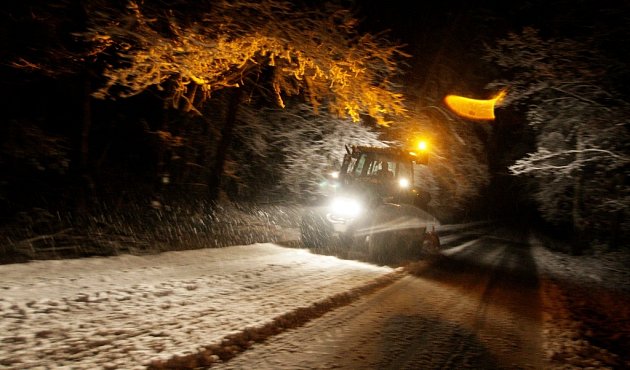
column 127, row 311
column 133, row 311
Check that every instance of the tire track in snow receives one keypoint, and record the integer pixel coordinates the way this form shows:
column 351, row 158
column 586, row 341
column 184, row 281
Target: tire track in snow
column 234, row 344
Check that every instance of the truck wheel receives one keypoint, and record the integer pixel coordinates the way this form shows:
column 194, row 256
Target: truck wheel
column 315, row 232
column 432, row 241
column 381, row 247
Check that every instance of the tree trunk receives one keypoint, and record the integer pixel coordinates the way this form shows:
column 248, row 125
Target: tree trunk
column 579, row 224
column 227, row 134
column 87, row 183
column 162, row 175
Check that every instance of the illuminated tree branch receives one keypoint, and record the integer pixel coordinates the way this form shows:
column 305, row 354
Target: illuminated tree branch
column 318, row 53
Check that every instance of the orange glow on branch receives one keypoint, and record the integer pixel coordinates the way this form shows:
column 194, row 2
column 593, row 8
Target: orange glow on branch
column 474, row 108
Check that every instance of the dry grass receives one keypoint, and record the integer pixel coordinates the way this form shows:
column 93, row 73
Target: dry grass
column 40, row 235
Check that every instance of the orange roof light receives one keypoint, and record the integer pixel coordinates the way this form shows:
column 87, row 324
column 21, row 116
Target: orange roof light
column 422, row 145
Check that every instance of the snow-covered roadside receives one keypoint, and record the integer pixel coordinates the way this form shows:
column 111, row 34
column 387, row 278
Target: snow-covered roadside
column 586, row 308
column 129, row 311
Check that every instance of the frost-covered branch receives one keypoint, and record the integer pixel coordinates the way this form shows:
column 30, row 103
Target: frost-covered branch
column 545, row 161
column 581, row 97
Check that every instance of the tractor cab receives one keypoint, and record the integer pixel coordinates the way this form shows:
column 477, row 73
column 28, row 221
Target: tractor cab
column 386, row 174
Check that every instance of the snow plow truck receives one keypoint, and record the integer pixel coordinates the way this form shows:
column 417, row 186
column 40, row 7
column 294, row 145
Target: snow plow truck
column 374, row 207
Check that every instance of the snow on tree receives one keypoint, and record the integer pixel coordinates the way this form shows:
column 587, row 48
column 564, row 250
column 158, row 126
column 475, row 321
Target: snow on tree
column 312, row 146
column 270, row 50
column 284, row 153
column 317, row 52
column 581, row 163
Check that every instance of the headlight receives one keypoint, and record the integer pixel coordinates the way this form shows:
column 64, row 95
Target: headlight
column 403, row 183
column 345, row 207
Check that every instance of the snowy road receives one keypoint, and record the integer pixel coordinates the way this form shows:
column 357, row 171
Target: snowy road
column 476, row 307
column 489, row 300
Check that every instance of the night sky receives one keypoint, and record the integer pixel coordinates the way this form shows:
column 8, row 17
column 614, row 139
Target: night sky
column 429, row 26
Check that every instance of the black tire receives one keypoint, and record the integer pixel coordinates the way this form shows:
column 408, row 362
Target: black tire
column 432, row 242
column 382, row 246
column 394, row 247
column 315, row 231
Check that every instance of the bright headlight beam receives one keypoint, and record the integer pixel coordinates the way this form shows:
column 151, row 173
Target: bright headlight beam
column 345, row 207
column 403, row 183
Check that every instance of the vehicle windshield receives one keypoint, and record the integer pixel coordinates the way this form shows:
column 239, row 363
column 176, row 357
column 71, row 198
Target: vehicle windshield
column 380, row 166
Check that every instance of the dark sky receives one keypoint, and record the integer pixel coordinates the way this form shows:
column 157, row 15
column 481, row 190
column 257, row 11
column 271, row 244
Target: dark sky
column 428, row 27
column 491, row 18
column 435, row 33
